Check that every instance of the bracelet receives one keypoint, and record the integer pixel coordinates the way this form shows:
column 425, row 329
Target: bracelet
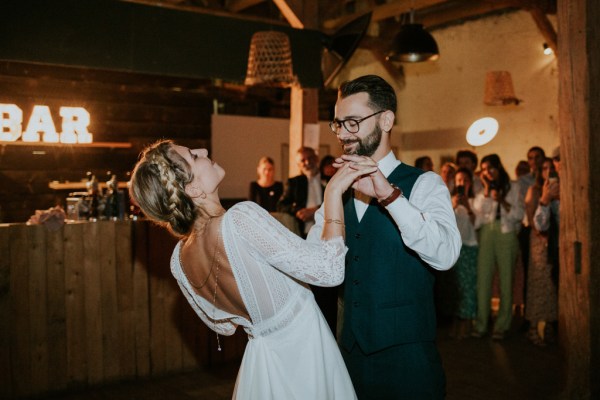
column 334, row 221
column 397, row 192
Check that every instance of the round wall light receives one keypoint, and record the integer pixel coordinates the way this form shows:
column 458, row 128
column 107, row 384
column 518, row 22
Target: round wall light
column 482, row 131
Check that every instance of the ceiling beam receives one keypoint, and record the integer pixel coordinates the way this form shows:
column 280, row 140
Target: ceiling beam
column 241, row 5
column 461, row 12
column 381, row 12
column 290, row 12
column 546, row 28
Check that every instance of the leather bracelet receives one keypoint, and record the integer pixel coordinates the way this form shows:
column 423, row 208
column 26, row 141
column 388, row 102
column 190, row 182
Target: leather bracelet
column 397, row 192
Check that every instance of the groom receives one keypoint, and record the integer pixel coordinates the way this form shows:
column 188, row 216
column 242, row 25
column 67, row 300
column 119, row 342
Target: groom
column 399, row 225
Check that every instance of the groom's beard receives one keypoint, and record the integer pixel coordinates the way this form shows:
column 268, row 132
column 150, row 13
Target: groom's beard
column 366, row 146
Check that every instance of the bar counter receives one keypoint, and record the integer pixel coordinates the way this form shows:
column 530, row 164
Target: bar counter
column 95, row 302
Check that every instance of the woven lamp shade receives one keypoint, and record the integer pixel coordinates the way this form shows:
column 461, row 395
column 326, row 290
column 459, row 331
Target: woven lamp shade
column 270, row 60
column 499, row 89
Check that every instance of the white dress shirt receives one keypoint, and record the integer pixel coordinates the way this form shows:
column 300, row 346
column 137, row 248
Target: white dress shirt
column 485, row 209
column 541, row 218
column 426, row 221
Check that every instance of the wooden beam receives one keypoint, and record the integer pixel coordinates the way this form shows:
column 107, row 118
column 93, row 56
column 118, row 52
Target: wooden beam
column 240, row 5
column 457, row 14
column 546, row 28
column 290, row 13
column 384, row 11
column 579, row 291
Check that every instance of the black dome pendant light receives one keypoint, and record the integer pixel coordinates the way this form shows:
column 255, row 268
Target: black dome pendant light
column 413, row 44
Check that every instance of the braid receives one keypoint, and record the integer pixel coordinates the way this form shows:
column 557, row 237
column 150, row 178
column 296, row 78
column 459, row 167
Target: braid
column 158, row 186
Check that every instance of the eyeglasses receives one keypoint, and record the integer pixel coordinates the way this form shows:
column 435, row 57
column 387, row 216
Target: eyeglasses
column 349, row 124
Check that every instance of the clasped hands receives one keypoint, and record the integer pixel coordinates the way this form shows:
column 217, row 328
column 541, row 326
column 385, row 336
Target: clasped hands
column 362, row 174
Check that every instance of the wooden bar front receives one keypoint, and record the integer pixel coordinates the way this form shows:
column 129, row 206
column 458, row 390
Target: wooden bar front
column 95, row 302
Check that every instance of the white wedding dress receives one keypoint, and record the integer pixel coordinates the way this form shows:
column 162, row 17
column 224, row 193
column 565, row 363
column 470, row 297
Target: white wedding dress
column 291, row 352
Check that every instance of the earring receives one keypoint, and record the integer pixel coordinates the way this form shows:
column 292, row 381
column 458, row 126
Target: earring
column 202, row 195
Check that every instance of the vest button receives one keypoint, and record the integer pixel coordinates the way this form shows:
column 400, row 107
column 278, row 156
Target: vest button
column 355, row 282
column 355, row 303
column 357, row 236
column 356, row 258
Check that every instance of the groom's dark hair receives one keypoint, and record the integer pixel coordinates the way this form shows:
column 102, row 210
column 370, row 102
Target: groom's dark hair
column 381, row 94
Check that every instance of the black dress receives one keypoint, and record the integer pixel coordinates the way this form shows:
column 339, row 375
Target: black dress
column 266, row 197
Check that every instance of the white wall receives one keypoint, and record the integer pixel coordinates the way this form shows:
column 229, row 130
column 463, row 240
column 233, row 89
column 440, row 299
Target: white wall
column 439, row 100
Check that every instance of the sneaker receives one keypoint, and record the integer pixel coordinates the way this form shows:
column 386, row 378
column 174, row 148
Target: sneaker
column 498, row 336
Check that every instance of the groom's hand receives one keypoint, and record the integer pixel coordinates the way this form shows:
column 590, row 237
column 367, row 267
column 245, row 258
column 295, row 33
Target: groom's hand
column 374, row 184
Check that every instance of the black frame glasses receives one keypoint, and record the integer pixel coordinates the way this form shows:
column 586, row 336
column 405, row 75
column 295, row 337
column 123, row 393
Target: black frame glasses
column 350, row 124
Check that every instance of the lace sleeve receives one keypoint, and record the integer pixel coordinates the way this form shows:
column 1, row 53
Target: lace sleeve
column 320, row 263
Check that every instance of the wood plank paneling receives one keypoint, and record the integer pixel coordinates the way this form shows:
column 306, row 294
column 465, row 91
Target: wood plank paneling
column 141, row 298
column 95, row 302
column 92, row 267
column 38, row 313
column 19, row 322
column 125, row 298
column 108, row 283
column 57, row 339
column 75, row 305
column 6, row 387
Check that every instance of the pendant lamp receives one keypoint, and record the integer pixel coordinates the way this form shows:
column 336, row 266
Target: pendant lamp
column 413, row 44
column 270, row 60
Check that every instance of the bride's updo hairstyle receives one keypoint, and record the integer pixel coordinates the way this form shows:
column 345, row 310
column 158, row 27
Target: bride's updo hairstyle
column 158, row 186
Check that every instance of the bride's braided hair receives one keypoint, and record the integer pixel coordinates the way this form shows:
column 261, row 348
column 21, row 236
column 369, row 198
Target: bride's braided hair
column 158, row 186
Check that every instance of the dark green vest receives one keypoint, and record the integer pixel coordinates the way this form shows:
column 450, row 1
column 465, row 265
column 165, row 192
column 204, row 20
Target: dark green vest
column 388, row 290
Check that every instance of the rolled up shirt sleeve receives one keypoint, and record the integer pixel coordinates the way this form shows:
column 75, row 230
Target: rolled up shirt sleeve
column 541, row 218
column 427, row 222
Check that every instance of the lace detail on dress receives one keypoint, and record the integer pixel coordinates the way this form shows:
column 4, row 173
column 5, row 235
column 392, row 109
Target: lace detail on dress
column 264, row 255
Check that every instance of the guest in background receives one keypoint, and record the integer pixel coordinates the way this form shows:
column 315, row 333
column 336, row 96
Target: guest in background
column 521, row 169
column 327, row 169
column 302, row 196
column 547, row 216
column 465, row 269
column 499, row 210
column 468, row 159
column 541, row 305
column 447, row 173
column 535, row 158
column 424, row 163
column 266, row 191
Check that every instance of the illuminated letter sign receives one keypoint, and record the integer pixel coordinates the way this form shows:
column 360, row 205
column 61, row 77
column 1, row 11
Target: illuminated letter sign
column 75, row 121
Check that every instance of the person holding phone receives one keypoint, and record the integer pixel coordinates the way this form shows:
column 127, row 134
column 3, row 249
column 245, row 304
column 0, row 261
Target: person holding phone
column 547, row 216
column 541, row 305
column 499, row 209
column 465, row 269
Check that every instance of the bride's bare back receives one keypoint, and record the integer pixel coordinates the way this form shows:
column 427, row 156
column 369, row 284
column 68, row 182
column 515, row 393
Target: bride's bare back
column 205, row 263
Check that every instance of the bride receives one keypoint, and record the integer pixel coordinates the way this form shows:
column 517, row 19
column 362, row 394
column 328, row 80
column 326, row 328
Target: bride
column 241, row 267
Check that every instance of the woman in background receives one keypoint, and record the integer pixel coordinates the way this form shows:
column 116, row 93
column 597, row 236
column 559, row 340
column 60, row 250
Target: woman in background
column 265, row 191
column 465, row 269
column 241, row 267
column 499, row 209
column 541, row 304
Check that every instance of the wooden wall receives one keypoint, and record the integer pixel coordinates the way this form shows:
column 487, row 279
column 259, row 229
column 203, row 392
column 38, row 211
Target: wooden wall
column 93, row 303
